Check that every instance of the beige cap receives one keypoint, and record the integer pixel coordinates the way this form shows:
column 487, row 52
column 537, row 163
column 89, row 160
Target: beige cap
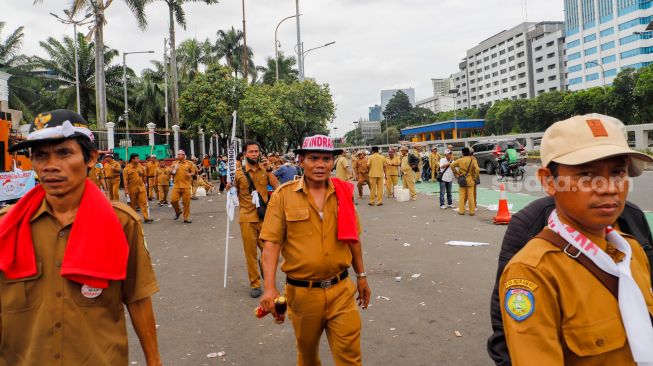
column 582, row 139
column 403, row 148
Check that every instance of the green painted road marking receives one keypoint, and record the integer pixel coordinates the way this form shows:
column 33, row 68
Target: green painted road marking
column 649, row 217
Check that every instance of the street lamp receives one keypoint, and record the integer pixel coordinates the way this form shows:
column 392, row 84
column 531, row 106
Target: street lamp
column 75, row 23
column 356, row 131
column 602, row 70
column 335, row 135
column 277, row 45
column 304, row 53
column 165, row 83
column 454, row 93
column 124, row 85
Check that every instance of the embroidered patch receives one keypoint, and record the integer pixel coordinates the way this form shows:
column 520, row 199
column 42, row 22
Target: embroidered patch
column 518, row 282
column 519, row 303
column 598, row 130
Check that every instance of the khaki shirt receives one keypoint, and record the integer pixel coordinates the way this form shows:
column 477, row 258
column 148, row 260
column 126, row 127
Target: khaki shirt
column 47, row 321
column 112, row 170
column 375, row 164
column 434, row 161
column 150, row 168
column 576, row 320
column 392, row 165
column 247, row 210
column 460, row 166
column 309, row 245
column 183, row 173
column 360, row 166
column 133, row 177
column 96, row 175
column 163, row 176
column 405, row 167
column 341, row 168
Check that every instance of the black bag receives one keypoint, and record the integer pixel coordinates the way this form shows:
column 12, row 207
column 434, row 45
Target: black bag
column 413, row 161
column 264, row 206
column 441, row 174
column 462, row 179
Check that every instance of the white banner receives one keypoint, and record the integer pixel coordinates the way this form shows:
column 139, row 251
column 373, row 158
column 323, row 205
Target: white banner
column 14, row 185
column 232, row 195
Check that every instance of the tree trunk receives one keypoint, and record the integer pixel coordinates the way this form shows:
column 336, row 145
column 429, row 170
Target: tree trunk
column 100, row 85
column 173, row 70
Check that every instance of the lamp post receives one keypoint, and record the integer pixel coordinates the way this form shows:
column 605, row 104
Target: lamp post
column 304, row 53
column 602, row 78
column 300, row 61
column 335, row 135
column 356, row 131
column 277, row 45
column 454, row 93
column 75, row 23
column 165, row 83
column 124, row 85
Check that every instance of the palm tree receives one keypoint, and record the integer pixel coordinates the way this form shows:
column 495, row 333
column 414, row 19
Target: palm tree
column 287, row 71
column 191, row 54
column 148, row 102
column 227, row 46
column 98, row 7
column 238, row 63
column 176, row 13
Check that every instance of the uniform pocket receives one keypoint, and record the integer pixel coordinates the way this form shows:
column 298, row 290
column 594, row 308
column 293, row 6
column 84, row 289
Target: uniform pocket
column 597, row 338
column 75, row 291
column 22, row 294
column 297, row 221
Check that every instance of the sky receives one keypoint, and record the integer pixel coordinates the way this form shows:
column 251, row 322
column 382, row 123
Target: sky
column 380, row 44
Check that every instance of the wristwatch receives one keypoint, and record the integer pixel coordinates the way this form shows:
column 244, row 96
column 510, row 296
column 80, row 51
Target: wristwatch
column 361, row 275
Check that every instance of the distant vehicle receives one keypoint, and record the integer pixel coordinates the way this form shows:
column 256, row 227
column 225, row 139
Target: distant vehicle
column 160, row 151
column 515, row 171
column 488, row 152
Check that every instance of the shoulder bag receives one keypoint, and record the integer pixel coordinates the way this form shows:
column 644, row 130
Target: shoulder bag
column 441, row 173
column 263, row 205
column 462, row 179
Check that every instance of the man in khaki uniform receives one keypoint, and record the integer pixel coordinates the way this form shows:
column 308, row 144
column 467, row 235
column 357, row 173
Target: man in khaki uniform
column 407, row 174
column 579, row 293
column 111, row 172
column 375, row 164
column 262, row 175
column 182, row 172
column 392, row 163
column 134, row 180
column 96, row 175
column 48, row 316
column 150, row 168
column 362, row 172
column 302, row 224
column 342, row 167
column 162, row 179
column 466, row 166
column 434, row 162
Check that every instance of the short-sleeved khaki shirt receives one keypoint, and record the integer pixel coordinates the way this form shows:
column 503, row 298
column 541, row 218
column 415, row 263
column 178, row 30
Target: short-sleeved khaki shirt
column 375, row 164
column 309, row 244
column 111, row 170
column 392, row 165
column 133, row 177
column 183, row 174
column 150, row 168
column 341, row 168
column 163, row 176
column 247, row 211
column 45, row 318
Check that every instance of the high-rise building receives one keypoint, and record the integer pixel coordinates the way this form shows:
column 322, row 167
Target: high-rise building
column 369, row 129
column 516, row 63
column 437, row 104
column 375, row 113
column 605, row 37
column 441, row 86
column 386, row 95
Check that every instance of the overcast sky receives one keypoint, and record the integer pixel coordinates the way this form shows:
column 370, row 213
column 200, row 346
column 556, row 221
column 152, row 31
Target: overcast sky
column 380, row 44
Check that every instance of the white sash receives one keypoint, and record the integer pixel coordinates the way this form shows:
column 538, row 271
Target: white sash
column 633, row 309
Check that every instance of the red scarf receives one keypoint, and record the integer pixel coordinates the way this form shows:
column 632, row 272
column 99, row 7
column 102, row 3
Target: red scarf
column 347, row 219
column 90, row 258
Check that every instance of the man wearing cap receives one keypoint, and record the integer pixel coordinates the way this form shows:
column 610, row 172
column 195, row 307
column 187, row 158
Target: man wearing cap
column 66, row 280
column 112, row 172
column 313, row 223
column 375, row 164
column 251, row 181
column 392, row 163
column 162, row 179
column 362, row 172
column 579, row 292
column 286, row 172
column 343, row 171
column 150, row 168
column 434, row 162
column 407, row 173
column 134, row 180
column 96, row 176
column 182, row 172
column 466, row 167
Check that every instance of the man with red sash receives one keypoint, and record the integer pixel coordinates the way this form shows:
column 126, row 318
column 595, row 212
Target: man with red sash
column 65, row 280
column 579, row 293
column 313, row 223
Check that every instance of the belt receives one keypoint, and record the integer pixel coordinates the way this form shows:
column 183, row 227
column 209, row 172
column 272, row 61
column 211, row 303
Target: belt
column 115, row 176
column 322, row 284
column 151, row 176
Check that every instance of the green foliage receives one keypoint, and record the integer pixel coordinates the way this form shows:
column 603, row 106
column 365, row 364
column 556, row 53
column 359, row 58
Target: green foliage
column 398, row 108
column 287, row 71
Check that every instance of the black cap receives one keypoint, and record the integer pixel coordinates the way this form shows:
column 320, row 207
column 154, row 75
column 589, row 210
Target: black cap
column 53, row 126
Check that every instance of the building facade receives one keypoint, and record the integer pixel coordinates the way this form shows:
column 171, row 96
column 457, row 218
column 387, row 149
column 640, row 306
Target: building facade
column 369, row 129
column 441, row 86
column 437, row 104
column 375, row 113
column 387, row 94
column 605, row 37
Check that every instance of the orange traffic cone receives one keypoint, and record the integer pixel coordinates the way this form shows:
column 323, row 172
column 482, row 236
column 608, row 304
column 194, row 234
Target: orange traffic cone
column 503, row 216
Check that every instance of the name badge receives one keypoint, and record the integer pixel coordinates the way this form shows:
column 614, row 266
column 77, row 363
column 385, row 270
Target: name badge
column 91, row 292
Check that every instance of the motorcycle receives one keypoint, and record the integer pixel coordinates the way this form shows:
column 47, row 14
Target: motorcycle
column 515, row 171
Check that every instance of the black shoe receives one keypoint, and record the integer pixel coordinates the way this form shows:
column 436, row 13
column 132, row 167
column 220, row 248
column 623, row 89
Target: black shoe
column 255, row 293
column 177, row 215
column 148, row 221
column 160, row 204
column 380, row 204
column 188, row 222
column 194, row 198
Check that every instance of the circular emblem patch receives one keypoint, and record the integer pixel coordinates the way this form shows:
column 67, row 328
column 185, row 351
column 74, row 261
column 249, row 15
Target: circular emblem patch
column 519, row 303
column 91, row 292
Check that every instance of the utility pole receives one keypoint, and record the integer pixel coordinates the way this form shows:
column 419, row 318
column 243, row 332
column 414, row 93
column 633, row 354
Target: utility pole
column 245, row 58
column 300, row 61
column 173, row 70
column 165, row 83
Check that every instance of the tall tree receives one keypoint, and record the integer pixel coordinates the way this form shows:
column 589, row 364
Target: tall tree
column 287, row 71
column 227, row 46
column 191, row 55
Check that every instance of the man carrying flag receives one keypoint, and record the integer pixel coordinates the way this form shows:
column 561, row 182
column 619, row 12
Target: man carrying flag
column 313, row 223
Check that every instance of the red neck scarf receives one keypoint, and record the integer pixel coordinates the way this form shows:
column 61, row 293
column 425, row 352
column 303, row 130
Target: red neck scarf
column 347, row 220
column 90, row 258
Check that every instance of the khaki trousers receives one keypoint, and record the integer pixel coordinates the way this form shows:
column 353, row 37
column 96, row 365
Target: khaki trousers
column 138, row 198
column 250, row 232
column 466, row 194
column 362, row 180
column 113, row 188
column 316, row 310
column 390, row 183
column 408, row 181
column 184, row 195
column 162, row 193
column 151, row 187
column 376, row 190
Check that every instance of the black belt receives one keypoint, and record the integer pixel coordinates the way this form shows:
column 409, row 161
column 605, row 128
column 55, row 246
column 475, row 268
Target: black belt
column 322, row 284
column 151, row 176
column 115, row 176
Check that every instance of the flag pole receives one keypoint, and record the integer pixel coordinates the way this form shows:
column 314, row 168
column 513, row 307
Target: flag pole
column 232, row 198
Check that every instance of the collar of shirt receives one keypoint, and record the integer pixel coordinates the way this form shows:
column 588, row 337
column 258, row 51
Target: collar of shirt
column 301, row 186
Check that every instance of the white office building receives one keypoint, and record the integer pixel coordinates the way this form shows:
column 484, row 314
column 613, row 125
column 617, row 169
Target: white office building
column 369, row 129
column 437, row 104
column 441, row 86
column 605, row 37
column 387, row 94
column 506, row 64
